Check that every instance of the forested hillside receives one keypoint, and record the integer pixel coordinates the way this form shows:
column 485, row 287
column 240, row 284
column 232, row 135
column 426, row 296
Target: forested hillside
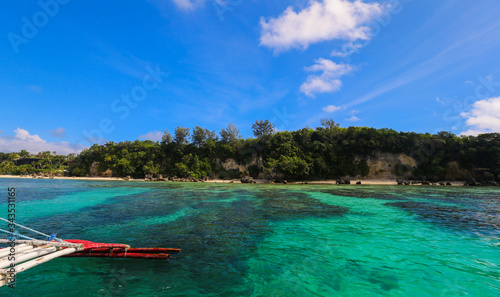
column 326, row 152
column 322, row 153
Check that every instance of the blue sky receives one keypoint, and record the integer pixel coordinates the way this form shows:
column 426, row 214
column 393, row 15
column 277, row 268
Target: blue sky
column 75, row 72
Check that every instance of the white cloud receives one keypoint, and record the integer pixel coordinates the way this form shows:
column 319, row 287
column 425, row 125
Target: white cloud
column 24, row 135
column 347, row 49
column 353, row 119
column 320, row 21
column 153, row 135
column 59, row 132
column 326, row 82
column 484, row 117
column 442, row 101
column 23, row 140
column 190, row 4
column 331, row 108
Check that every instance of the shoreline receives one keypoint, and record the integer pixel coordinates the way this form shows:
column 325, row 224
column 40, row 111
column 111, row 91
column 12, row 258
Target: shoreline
column 367, row 182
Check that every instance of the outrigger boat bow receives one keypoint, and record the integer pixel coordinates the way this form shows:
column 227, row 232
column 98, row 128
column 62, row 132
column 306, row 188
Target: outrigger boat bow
column 23, row 252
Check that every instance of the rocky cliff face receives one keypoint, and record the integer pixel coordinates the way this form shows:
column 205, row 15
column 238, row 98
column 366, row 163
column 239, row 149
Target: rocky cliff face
column 233, row 169
column 382, row 166
column 94, row 171
column 390, row 166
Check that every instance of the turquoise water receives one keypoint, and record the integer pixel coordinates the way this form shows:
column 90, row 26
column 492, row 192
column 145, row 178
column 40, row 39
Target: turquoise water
column 265, row 240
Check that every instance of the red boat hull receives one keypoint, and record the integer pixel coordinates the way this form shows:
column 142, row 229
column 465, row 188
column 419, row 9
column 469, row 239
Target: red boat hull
column 116, row 250
column 120, row 255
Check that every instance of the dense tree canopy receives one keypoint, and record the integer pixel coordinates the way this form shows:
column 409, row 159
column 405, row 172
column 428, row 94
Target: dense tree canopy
column 325, row 152
column 25, row 163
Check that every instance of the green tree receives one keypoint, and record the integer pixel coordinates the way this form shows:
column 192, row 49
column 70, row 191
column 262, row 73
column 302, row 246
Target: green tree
column 261, row 128
column 291, row 167
column 200, row 136
column 13, row 156
column 329, row 123
column 7, row 167
column 24, row 154
column 26, row 169
column 151, row 168
column 181, row 135
column 230, row 134
column 166, row 138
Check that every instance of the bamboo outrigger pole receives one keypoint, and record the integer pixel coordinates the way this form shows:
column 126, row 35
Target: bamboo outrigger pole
column 24, row 252
column 28, row 256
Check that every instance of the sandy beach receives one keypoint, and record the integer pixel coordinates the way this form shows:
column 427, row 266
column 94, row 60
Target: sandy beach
column 70, row 178
column 373, row 182
column 369, row 182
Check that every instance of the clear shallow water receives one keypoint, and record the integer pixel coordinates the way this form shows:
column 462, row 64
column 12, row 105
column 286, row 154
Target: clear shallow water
column 265, row 240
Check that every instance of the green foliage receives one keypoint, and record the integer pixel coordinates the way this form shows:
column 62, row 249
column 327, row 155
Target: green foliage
column 230, row 134
column 303, row 154
column 329, row 124
column 77, row 171
column 363, row 168
column 254, row 170
column 322, row 153
column 167, row 137
column 201, row 136
column 24, row 154
column 291, row 167
column 7, row 167
column 262, row 128
column 181, row 135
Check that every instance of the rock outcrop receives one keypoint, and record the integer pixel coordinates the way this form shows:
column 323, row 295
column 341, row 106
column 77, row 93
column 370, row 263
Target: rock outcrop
column 390, row 166
column 247, row 180
column 94, row 171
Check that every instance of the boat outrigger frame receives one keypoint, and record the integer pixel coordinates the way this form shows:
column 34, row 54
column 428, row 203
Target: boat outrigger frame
column 26, row 253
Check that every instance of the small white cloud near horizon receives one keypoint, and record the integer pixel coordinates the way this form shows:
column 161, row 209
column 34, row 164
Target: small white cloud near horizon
column 59, row 132
column 320, row 21
column 153, row 135
column 331, row 108
column 442, row 101
column 23, row 140
column 353, row 119
column 328, row 81
column 484, row 117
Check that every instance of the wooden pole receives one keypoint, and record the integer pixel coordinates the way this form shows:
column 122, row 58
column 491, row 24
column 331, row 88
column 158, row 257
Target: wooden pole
column 43, row 242
column 43, row 259
column 18, row 248
column 24, row 257
column 32, row 263
column 19, row 252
